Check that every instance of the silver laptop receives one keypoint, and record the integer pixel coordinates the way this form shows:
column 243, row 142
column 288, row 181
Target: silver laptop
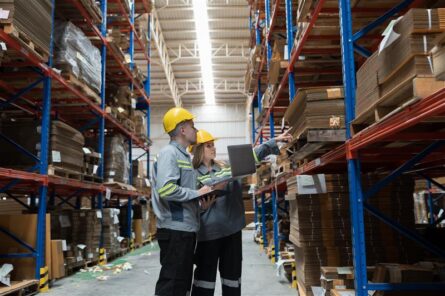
column 242, row 162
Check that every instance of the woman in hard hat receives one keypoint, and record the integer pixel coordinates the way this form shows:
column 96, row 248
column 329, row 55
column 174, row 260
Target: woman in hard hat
column 176, row 205
column 219, row 237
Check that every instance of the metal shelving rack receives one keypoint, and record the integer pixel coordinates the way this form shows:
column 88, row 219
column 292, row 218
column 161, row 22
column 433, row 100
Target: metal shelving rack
column 38, row 185
column 361, row 150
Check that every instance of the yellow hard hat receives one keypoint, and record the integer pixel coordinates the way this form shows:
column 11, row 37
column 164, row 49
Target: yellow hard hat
column 175, row 116
column 204, row 136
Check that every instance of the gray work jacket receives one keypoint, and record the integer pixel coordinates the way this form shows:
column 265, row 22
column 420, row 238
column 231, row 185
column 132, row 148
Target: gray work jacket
column 226, row 215
column 174, row 194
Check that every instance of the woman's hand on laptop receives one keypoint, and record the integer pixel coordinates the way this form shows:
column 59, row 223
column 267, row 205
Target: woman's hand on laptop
column 207, row 202
column 203, row 190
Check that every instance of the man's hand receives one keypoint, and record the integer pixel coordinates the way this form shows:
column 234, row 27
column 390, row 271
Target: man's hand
column 220, row 186
column 284, row 137
column 207, row 202
column 204, row 190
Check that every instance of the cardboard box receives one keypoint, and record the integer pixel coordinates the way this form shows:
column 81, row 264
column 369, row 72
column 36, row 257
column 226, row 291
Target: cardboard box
column 57, row 259
column 24, row 227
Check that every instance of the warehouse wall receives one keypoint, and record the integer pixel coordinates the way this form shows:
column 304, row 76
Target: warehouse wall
column 227, row 122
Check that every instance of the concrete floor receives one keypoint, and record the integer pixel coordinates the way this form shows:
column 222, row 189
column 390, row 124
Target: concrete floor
column 259, row 276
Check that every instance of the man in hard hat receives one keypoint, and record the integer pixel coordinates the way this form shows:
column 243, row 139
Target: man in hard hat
column 176, row 204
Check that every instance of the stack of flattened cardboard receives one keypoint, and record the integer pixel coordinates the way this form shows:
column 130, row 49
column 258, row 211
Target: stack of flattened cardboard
column 321, row 227
column 65, row 144
column 316, row 118
column 66, row 147
column 111, row 231
column 141, row 223
column 401, row 72
column 140, row 180
column 70, row 12
column 117, row 166
column 75, row 54
column 29, row 19
column 86, row 232
column 338, row 278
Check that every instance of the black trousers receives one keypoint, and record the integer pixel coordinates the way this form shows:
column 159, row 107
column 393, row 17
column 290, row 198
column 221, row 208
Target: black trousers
column 177, row 250
column 227, row 252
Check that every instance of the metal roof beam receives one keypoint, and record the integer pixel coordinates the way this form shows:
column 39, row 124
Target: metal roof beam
column 161, row 46
column 223, row 50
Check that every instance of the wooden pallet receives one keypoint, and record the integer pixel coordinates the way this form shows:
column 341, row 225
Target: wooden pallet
column 22, row 288
column 81, row 85
column 26, row 42
column 315, row 142
column 402, row 96
column 63, row 172
column 119, row 185
column 129, row 125
column 94, row 179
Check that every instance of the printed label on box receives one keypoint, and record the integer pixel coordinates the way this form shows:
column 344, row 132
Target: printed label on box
column 56, row 156
column 4, row 14
column 99, row 214
column 108, row 195
column 64, row 221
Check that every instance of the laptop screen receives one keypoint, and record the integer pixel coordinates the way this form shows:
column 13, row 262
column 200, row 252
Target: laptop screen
column 242, row 160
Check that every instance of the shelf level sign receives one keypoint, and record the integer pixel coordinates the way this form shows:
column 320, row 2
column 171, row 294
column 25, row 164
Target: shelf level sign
column 107, row 193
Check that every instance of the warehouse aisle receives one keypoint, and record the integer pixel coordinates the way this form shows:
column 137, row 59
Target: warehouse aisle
column 259, row 276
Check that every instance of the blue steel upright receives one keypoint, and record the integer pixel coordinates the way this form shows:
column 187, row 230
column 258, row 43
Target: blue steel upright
column 43, row 168
column 259, row 95
column 355, row 190
column 101, row 144
column 129, row 202
column 272, row 135
column 290, row 44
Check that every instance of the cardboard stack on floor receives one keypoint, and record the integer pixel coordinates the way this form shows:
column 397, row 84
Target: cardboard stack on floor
column 29, row 22
column 316, row 117
column 111, row 231
column 141, row 223
column 341, row 279
column 320, row 224
column 402, row 70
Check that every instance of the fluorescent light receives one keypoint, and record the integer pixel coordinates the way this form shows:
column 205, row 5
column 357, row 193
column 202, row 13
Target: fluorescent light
column 205, row 48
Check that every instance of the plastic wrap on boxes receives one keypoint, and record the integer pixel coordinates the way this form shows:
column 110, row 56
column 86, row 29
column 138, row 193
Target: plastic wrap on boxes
column 75, row 50
column 140, row 122
column 117, row 165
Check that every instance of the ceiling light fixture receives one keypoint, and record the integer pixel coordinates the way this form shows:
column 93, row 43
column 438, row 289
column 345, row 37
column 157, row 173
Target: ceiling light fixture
column 205, row 48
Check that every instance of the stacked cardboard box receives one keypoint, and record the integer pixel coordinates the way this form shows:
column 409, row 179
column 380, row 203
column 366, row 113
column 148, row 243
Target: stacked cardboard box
column 117, row 166
column 86, row 227
column 31, row 18
column 75, row 54
column 336, row 278
column 316, row 108
column 140, row 180
column 111, row 230
column 91, row 164
column 402, row 70
column 20, row 225
column 140, row 122
column 66, row 9
column 141, row 223
column 65, row 143
column 276, row 68
column 320, row 224
column 264, row 174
